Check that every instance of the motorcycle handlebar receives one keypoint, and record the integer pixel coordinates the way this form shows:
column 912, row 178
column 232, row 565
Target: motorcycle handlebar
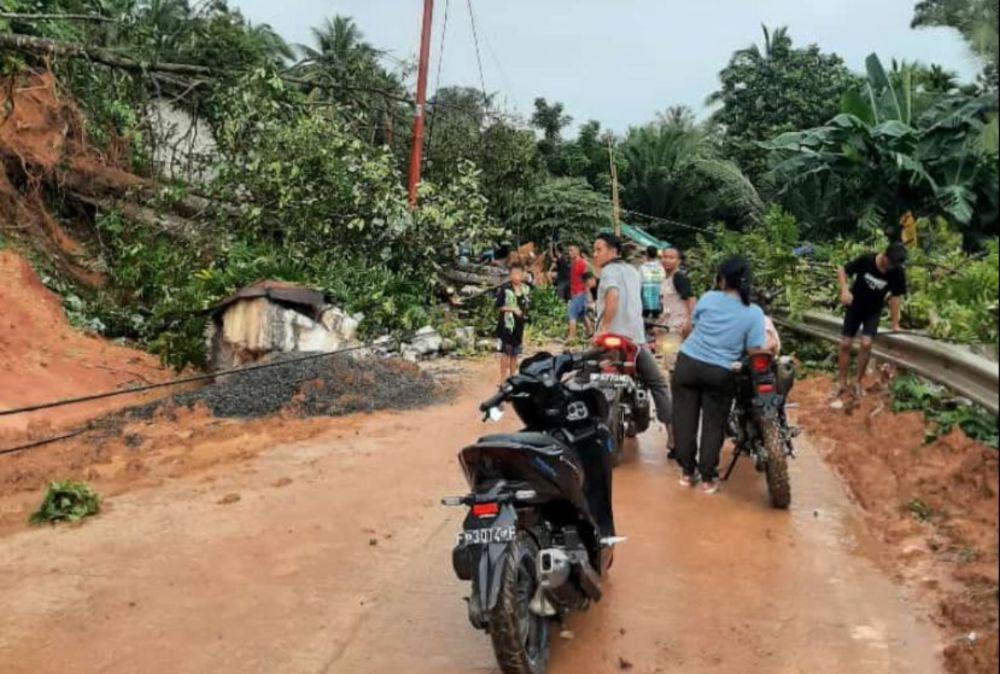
column 494, row 400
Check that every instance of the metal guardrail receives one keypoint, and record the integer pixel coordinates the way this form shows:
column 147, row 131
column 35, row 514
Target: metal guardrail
column 951, row 365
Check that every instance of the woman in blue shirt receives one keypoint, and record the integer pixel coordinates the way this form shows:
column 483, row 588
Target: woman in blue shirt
column 726, row 326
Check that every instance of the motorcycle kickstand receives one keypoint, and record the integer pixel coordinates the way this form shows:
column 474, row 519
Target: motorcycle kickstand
column 732, row 463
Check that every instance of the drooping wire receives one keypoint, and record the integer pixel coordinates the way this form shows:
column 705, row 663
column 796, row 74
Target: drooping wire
column 437, row 82
column 479, row 56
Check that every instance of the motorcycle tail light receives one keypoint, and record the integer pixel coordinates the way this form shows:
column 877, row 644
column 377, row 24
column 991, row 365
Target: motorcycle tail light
column 760, row 362
column 765, row 388
column 611, row 342
column 485, row 509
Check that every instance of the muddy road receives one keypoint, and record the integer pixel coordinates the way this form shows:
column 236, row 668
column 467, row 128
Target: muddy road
column 332, row 555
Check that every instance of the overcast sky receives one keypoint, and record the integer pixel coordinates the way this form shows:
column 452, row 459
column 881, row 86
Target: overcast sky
column 617, row 61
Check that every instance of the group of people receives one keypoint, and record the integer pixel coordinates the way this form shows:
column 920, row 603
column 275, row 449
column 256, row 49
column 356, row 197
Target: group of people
column 701, row 338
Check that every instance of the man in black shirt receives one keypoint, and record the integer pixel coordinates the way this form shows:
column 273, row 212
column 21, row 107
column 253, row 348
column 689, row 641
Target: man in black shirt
column 875, row 277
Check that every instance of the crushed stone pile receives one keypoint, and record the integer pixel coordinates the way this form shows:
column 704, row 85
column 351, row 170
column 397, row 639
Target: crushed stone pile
column 332, row 386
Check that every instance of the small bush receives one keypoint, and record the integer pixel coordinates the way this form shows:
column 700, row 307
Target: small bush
column 67, row 501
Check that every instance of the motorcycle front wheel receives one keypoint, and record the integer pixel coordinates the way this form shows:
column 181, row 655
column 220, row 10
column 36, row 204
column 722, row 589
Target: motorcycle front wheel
column 776, row 465
column 520, row 637
column 618, row 431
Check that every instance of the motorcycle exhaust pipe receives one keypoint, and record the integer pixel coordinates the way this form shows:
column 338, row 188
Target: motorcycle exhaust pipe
column 553, row 568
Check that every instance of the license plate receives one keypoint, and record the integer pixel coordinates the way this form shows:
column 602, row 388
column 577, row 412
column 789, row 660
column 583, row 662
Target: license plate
column 487, row 536
column 611, row 379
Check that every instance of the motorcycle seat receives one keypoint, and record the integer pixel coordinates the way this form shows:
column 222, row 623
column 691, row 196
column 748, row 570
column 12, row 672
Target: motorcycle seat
column 539, row 442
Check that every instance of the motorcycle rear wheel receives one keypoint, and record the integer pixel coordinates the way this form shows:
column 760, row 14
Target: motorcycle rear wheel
column 776, row 466
column 520, row 637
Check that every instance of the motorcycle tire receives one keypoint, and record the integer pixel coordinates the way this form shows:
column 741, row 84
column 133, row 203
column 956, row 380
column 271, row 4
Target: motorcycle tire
column 618, row 432
column 641, row 419
column 520, row 638
column 776, row 466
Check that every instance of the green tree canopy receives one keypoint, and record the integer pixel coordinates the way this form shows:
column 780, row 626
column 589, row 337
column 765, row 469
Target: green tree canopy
column 772, row 89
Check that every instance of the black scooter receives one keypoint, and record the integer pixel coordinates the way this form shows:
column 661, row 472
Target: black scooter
column 537, row 541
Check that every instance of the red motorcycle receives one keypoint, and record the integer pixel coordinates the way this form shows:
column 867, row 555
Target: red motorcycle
column 628, row 401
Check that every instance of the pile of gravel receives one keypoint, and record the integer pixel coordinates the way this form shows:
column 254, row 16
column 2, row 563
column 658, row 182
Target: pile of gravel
column 331, row 386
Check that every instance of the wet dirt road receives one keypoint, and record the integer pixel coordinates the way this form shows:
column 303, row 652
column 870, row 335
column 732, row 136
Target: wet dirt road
column 336, row 559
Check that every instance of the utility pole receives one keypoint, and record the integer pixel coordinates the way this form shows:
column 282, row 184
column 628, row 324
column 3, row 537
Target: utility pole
column 615, row 211
column 418, row 115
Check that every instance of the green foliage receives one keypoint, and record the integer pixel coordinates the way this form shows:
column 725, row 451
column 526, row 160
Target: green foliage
column 880, row 159
column 769, row 249
column 765, row 92
column 909, row 392
column 463, row 126
column 551, row 120
column 309, row 202
column 567, row 206
column 953, row 295
column 66, row 501
column 548, row 317
column 673, row 170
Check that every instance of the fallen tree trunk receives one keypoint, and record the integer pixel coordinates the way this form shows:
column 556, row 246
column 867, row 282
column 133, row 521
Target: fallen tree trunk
column 17, row 16
column 172, row 225
column 93, row 181
column 456, row 276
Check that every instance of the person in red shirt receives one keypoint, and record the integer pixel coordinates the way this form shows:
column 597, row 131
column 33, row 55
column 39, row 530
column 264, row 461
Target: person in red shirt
column 577, row 309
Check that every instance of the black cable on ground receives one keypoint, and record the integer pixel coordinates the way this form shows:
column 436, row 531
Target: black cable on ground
column 179, row 380
column 45, row 441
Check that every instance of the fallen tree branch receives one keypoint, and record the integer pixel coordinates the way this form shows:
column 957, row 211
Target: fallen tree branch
column 44, row 47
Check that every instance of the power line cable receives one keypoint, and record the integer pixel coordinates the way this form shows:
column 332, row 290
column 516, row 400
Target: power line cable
column 437, row 79
column 475, row 39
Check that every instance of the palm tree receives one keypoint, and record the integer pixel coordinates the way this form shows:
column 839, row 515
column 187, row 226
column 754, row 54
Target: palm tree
column 269, row 42
column 340, row 52
column 673, row 170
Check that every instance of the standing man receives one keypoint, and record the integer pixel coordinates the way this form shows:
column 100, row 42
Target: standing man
column 678, row 299
column 559, row 273
column 875, row 277
column 619, row 311
column 678, row 308
column 652, row 278
column 577, row 309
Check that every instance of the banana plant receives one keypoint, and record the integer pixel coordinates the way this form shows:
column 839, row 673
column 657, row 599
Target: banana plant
column 892, row 150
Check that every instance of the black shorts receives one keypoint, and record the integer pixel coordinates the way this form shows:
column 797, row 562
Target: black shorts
column 866, row 321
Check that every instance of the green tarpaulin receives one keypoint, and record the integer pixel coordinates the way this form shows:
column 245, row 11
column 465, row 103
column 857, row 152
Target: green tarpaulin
column 641, row 237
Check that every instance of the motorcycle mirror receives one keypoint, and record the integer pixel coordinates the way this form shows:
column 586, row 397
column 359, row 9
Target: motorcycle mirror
column 495, row 413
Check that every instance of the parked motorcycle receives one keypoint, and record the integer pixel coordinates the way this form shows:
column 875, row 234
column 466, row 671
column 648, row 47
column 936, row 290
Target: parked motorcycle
column 614, row 374
column 758, row 424
column 537, row 540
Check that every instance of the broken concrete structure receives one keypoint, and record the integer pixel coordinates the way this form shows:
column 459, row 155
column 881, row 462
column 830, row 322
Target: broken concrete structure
column 276, row 317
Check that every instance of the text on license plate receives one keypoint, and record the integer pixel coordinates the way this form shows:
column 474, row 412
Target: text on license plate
column 611, row 378
column 486, row 536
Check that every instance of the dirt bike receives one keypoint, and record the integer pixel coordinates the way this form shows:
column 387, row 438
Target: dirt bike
column 628, row 401
column 537, row 540
column 758, row 424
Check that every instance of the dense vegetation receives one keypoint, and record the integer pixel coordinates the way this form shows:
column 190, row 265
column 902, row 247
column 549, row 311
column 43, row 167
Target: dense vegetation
column 311, row 148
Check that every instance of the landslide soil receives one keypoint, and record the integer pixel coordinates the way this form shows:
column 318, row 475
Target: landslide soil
column 43, row 358
column 932, row 507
